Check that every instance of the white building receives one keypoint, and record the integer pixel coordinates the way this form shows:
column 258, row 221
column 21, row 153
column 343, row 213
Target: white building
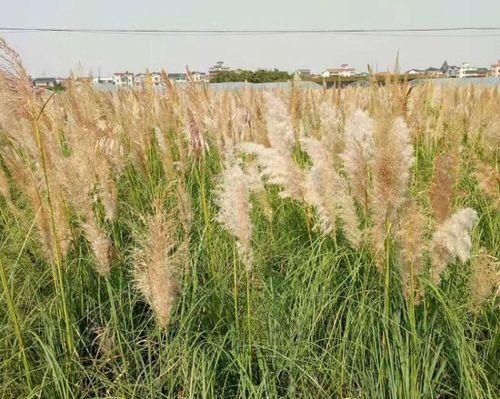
column 217, row 68
column 345, row 71
column 124, row 79
column 415, row 71
column 495, row 69
column 466, row 70
column 103, row 80
column 141, row 78
column 199, row 77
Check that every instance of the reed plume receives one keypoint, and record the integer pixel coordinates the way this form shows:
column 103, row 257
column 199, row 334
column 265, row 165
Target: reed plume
column 332, row 134
column 328, row 193
column 358, row 154
column 279, row 124
column 452, row 241
column 165, row 153
column 234, row 210
column 156, row 267
column 197, row 144
column 485, row 277
column 108, row 190
column 276, row 163
column 488, row 179
column 442, row 185
column 393, row 159
column 100, row 244
column 257, row 188
column 279, row 169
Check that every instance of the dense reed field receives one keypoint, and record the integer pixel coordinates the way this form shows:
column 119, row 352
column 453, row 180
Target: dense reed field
column 248, row 244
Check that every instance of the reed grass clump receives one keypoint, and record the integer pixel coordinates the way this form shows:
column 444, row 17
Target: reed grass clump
column 366, row 221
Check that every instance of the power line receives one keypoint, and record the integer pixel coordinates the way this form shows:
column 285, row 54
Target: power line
column 472, row 29
column 351, row 34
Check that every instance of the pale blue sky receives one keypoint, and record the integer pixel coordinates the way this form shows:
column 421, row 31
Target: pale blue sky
column 56, row 53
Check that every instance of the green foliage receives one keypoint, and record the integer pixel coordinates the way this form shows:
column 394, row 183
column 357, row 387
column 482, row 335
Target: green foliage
column 258, row 76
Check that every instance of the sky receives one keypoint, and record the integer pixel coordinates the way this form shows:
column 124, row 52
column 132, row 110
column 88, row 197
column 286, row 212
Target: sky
column 56, row 54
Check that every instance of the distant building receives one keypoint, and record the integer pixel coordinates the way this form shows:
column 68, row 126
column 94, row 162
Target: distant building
column 416, row 71
column 141, row 79
column 483, row 72
column 433, row 72
column 99, row 80
column 495, row 69
column 430, row 72
column 452, row 71
column 444, row 68
column 466, row 70
column 449, row 71
column 304, row 72
column 199, row 76
column 218, row 68
column 45, row 82
column 124, row 79
column 177, row 77
column 345, row 71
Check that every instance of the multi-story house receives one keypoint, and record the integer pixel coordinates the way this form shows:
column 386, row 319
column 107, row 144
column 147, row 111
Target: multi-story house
column 199, row 77
column 345, row 71
column 141, row 79
column 466, row 70
column 124, row 79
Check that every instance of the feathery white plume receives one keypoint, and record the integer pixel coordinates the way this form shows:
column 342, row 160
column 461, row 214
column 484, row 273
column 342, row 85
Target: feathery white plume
column 234, row 210
column 279, row 124
column 328, row 193
column 452, row 241
column 358, row 154
column 392, row 162
column 156, row 267
column 279, row 169
column 331, row 131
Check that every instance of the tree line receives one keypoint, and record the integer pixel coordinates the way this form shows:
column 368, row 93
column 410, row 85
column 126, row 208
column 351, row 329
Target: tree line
column 259, row 76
